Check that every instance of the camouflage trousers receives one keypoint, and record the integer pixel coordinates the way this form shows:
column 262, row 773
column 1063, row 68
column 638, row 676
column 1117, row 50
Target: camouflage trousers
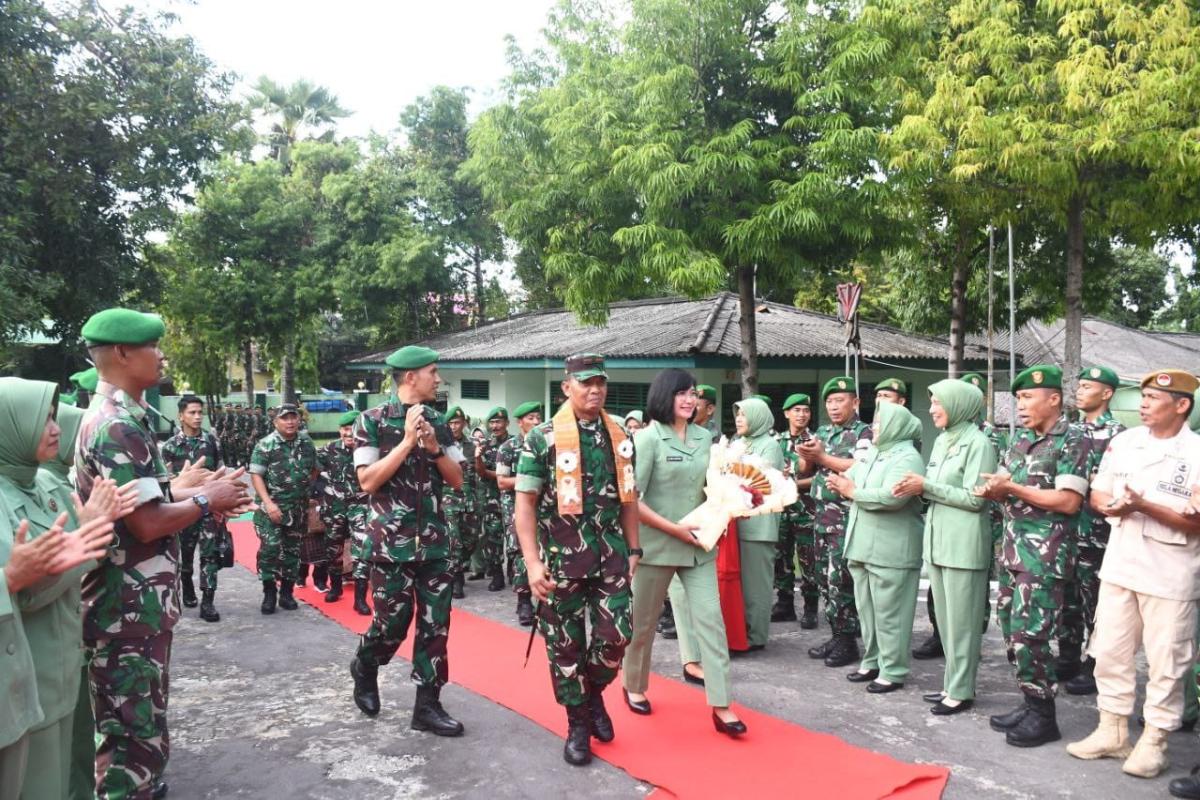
column 1028, row 609
column 462, row 524
column 399, row 592
column 210, row 563
column 579, row 666
column 838, row 587
column 492, row 544
column 279, row 545
column 1080, row 595
column 342, row 524
column 129, row 685
column 797, row 545
column 517, row 576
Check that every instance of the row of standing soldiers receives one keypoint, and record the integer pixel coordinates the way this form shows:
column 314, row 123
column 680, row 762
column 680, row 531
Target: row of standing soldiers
column 238, row 429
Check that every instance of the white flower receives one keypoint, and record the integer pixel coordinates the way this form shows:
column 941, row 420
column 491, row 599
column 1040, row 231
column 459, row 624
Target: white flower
column 625, row 449
column 567, row 461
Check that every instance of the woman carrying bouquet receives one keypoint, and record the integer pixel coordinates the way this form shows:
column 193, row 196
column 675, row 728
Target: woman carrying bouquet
column 672, row 458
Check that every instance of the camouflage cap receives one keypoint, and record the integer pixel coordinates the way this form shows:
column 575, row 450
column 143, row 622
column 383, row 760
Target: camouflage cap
column 583, row 366
column 975, row 379
column 798, row 399
column 1172, row 380
column 498, row 411
column 706, row 392
column 411, row 357
column 527, row 408
column 347, row 419
column 122, row 326
column 1100, row 375
column 892, row 385
column 842, row 383
column 283, row 409
column 1039, row 376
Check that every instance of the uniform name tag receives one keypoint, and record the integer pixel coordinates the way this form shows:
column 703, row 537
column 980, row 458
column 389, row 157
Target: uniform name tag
column 1180, row 482
column 674, row 458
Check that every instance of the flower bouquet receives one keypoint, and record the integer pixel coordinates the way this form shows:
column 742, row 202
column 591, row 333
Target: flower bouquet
column 739, row 484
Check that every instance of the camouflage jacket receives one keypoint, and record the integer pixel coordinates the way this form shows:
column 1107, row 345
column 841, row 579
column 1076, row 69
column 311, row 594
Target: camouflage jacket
column 338, row 478
column 506, row 464
column 287, row 468
column 841, row 441
column 470, row 477
column 593, row 544
column 801, row 512
column 1093, row 527
column 180, row 449
column 488, row 452
column 134, row 592
column 1037, row 541
column 405, row 519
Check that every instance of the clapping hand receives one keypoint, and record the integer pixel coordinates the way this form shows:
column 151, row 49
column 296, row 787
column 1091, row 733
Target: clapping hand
column 841, row 484
column 911, row 485
column 190, row 475
column 1126, row 504
column 106, row 502
column 88, row 542
column 995, row 487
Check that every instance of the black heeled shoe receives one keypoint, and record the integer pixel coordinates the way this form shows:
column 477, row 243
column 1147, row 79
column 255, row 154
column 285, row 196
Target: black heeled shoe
column 690, row 678
column 943, row 710
column 883, row 688
column 933, row 697
column 735, row 728
column 863, row 677
column 641, row 707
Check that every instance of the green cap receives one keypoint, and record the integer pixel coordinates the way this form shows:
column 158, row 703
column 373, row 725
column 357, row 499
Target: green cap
column 892, row 385
column 527, row 408
column 411, row 357
column 583, row 366
column 122, row 326
column 975, row 379
column 1039, row 376
column 1101, row 375
column 842, row 383
column 455, row 411
column 706, row 392
column 498, row 411
column 762, row 397
column 86, row 379
column 798, row 399
column 347, row 419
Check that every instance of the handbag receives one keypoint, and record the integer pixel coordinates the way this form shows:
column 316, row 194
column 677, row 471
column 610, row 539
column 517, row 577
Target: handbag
column 224, row 547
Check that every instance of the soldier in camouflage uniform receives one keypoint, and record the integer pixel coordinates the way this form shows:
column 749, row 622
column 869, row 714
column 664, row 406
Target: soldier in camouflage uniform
column 493, row 511
column 342, row 503
column 461, row 520
column 796, row 538
column 1042, row 483
column 131, row 600
column 282, row 468
column 191, row 445
column 577, row 520
column 405, row 459
column 528, row 416
column 835, row 448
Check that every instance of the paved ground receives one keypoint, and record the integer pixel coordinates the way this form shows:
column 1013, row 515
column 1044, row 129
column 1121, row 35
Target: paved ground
column 260, row 707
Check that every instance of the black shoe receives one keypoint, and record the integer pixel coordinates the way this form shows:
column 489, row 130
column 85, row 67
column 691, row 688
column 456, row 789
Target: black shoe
column 808, row 620
column 784, row 609
column 476, row 576
column 286, row 600
column 1038, row 727
column 1188, row 787
column 933, row 697
column 930, row 648
column 366, row 687
column 863, row 677
column 497, row 582
column 666, row 622
column 360, row 597
column 189, row 591
column 270, row 594
column 428, row 714
column 735, row 728
column 943, row 710
column 335, row 589
column 822, row 650
column 208, row 611
column 1068, row 663
column 159, row 791
column 321, row 578
column 302, row 577
column 875, row 687
column 578, row 748
column 640, row 707
column 690, row 678
column 843, row 652
column 458, row 587
column 1006, row 722
column 1085, row 682
column 602, row 727
column 524, row 611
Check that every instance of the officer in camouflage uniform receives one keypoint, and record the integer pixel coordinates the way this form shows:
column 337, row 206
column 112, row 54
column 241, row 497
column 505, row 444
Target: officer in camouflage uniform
column 1042, row 484
column 191, row 444
column 835, row 448
column 461, row 520
column 222, row 426
column 131, row 600
column 577, row 520
column 528, row 416
column 796, row 539
column 493, row 511
column 282, row 468
column 342, row 503
column 405, row 459
column 1081, row 593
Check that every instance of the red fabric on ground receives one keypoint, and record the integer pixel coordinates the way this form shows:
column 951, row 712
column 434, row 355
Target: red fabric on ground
column 675, row 749
column 729, row 586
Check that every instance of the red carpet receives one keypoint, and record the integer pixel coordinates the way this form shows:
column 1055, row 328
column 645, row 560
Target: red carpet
column 676, row 748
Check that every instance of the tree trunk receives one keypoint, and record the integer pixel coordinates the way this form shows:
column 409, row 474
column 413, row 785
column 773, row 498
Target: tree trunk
column 248, row 371
column 287, row 372
column 961, row 262
column 1073, row 347
column 480, row 302
column 746, row 324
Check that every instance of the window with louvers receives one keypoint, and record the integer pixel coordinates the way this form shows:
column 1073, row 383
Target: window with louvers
column 475, row 390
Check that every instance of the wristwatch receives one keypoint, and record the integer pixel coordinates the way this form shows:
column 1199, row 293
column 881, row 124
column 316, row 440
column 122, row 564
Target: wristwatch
column 636, row 551
column 441, row 451
column 201, row 501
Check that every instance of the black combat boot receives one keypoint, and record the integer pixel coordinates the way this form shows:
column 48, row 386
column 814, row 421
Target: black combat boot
column 360, row 597
column 930, row 648
column 321, row 578
column 1085, row 682
column 1068, row 665
column 159, row 791
column 808, row 620
column 1006, row 722
column 844, row 651
column 208, row 612
column 286, row 600
column 428, row 714
column 602, row 727
column 458, row 586
column 189, row 590
column 335, row 588
column 366, row 686
column 477, row 576
column 1039, row 725
column 524, row 610
column 269, row 595
column 1188, row 787
column 497, row 582
column 822, row 650
column 666, row 622
column 578, row 749
column 784, row 609
column 302, row 577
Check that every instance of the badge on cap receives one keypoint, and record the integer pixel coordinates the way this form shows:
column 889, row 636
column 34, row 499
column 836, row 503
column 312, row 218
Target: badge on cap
column 841, row 384
column 895, row 386
column 1095, row 372
column 1038, row 377
column 1163, row 379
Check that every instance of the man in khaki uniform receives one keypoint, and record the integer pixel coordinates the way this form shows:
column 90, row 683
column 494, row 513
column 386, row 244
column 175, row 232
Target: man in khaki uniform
column 1150, row 576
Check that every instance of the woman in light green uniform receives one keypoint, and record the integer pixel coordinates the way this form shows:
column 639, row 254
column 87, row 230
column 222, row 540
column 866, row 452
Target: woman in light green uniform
column 883, row 547
column 758, row 535
column 672, row 457
column 957, row 545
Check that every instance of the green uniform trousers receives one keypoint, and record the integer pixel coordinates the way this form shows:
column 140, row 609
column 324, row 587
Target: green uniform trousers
column 707, row 626
column 958, row 595
column 12, row 766
column 758, row 583
column 83, row 745
column 886, row 598
column 47, row 768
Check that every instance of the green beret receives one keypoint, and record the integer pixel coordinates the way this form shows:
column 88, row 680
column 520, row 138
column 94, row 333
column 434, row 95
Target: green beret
column 122, row 326
column 86, row 379
column 762, row 397
column 1101, row 375
column 527, row 408
column 67, row 399
column 975, row 379
column 583, row 366
column 411, row 357
column 455, row 411
column 842, row 383
column 798, row 399
column 892, row 385
column 706, row 392
column 498, row 411
column 1039, row 376
column 347, row 419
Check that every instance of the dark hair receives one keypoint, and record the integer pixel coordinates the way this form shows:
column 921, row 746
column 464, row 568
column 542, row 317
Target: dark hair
column 660, row 402
column 188, row 399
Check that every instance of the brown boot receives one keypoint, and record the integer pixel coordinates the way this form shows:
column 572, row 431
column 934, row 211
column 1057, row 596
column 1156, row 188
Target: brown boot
column 1109, row 740
column 1149, row 756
